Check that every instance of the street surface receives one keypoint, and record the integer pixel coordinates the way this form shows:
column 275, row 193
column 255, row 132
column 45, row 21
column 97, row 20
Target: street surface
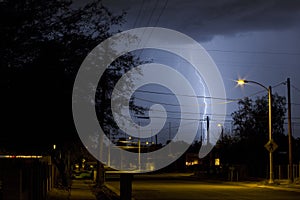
column 171, row 188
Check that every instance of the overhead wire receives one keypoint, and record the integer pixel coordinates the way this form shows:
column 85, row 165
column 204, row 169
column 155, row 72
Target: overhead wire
column 161, row 12
column 185, row 95
column 139, row 14
column 295, row 88
column 255, row 52
column 147, row 25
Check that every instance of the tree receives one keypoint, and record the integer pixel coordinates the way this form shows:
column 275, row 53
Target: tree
column 44, row 44
column 251, row 130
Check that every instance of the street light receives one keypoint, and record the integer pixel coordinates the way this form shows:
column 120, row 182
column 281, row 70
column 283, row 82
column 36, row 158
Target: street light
column 269, row 89
column 222, row 131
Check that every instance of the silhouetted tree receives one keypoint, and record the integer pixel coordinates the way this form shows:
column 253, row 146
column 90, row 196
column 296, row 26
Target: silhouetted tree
column 251, row 131
column 44, row 44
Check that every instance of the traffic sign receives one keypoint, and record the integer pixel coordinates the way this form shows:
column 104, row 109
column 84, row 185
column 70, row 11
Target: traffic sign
column 271, row 146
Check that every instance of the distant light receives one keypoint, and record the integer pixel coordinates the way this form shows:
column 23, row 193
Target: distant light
column 54, row 146
column 20, row 156
column 147, row 142
column 129, row 138
column 150, row 166
column 220, row 125
column 217, row 162
column 191, row 163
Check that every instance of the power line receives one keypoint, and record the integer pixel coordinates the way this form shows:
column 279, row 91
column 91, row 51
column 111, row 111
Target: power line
column 255, row 52
column 197, row 96
column 254, row 94
column 262, row 91
column 186, row 95
column 257, row 65
column 194, row 113
column 147, row 25
column 152, row 12
column 160, row 14
column 295, row 88
column 172, row 127
column 177, row 118
column 279, row 84
column 228, row 100
column 171, row 104
column 139, row 14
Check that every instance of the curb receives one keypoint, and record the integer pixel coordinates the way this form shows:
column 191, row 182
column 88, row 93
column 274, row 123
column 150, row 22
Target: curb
column 284, row 187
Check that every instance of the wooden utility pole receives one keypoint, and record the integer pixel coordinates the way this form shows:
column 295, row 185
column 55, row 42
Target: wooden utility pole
column 207, row 130
column 290, row 131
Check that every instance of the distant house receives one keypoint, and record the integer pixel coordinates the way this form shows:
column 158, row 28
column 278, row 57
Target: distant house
column 192, row 159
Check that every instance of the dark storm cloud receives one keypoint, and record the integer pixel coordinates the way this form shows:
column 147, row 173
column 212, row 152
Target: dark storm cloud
column 210, row 18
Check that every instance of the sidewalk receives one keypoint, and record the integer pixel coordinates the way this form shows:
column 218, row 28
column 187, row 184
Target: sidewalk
column 278, row 185
column 283, row 185
column 80, row 190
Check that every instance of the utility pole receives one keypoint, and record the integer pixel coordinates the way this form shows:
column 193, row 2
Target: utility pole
column 207, row 130
column 169, row 131
column 139, row 146
column 208, row 142
column 201, row 133
column 290, row 131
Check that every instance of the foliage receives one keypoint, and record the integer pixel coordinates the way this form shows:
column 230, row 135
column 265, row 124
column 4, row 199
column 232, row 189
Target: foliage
column 44, row 44
column 251, row 132
column 251, row 120
column 73, row 31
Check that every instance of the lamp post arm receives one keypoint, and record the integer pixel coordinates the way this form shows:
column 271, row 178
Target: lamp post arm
column 257, row 83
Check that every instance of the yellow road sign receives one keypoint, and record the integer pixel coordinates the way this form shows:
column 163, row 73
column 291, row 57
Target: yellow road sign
column 271, row 146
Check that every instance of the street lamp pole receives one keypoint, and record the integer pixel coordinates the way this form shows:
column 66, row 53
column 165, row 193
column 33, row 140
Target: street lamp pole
column 139, row 141
column 139, row 148
column 222, row 132
column 271, row 181
column 269, row 89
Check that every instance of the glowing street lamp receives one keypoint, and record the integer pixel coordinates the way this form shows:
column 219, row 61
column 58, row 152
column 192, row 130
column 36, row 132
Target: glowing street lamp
column 222, row 131
column 269, row 89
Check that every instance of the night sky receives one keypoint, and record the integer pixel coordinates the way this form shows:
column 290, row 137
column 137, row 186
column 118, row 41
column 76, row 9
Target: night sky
column 256, row 40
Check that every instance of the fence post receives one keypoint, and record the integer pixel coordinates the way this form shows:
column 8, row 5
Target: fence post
column 294, row 172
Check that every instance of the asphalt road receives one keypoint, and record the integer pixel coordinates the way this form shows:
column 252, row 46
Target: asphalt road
column 160, row 189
